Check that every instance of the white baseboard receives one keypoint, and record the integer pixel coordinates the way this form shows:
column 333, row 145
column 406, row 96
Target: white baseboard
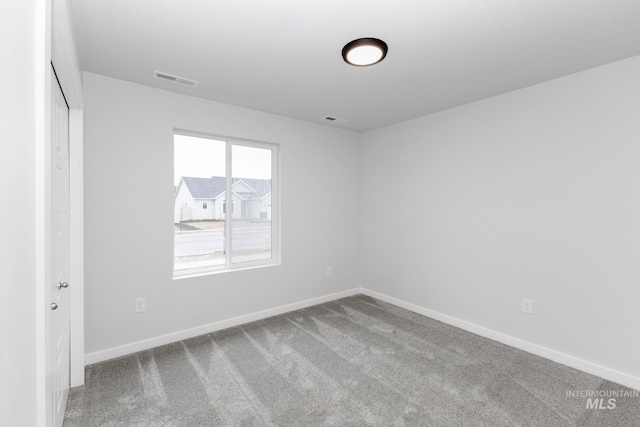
column 556, row 356
column 135, row 347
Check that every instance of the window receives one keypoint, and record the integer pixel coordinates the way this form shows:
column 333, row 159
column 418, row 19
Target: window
column 215, row 238
column 224, row 206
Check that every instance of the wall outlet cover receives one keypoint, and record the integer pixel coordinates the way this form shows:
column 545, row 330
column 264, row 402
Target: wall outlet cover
column 140, row 305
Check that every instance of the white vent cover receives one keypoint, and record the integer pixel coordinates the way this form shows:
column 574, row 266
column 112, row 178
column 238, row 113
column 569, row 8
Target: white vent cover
column 180, row 80
column 335, row 119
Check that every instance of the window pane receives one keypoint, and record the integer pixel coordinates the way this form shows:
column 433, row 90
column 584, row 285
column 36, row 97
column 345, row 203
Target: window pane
column 251, row 192
column 199, row 187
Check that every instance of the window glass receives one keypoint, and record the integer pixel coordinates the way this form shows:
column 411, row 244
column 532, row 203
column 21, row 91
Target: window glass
column 199, row 180
column 251, row 190
column 208, row 173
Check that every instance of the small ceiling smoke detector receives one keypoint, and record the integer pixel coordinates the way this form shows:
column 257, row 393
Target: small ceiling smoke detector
column 363, row 52
column 175, row 79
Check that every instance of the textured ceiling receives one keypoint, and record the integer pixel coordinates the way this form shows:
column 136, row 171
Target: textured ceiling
column 284, row 56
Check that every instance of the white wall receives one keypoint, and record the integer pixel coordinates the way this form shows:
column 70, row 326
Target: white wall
column 129, row 161
column 17, row 235
column 202, row 213
column 535, row 194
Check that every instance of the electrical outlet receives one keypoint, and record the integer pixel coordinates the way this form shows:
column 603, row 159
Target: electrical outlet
column 527, row 306
column 140, row 305
column 329, row 271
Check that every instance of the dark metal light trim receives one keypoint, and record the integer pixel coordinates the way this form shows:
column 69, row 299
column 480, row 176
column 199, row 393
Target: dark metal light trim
column 367, row 41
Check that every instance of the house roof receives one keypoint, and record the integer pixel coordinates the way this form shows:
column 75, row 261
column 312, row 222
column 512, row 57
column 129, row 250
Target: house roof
column 260, row 187
column 210, row 188
column 205, row 188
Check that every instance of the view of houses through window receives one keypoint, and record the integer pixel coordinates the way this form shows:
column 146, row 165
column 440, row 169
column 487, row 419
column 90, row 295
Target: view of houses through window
column 207, row 174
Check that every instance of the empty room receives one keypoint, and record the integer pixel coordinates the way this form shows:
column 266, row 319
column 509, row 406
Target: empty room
column 410, row 213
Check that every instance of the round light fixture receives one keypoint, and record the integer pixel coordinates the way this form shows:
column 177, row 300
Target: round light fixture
column 363, row 52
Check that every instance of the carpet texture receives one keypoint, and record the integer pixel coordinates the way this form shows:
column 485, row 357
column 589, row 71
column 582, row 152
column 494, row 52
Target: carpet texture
column 352, row 362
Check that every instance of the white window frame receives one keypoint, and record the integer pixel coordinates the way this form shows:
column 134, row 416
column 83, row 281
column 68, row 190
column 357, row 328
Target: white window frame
column 275, row 207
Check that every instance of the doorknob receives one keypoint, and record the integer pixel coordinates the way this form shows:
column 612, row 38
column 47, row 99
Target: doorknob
column 54, row 306
column 63, row 285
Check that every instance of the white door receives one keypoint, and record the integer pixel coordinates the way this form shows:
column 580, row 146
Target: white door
column 61, row 252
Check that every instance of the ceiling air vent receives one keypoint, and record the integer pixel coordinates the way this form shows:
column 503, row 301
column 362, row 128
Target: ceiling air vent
column 175, row 79
column 335, row 119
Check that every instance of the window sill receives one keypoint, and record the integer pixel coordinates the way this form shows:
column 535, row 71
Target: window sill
column 208, row 271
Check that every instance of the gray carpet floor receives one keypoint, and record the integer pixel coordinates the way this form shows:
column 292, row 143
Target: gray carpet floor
column 352, row 362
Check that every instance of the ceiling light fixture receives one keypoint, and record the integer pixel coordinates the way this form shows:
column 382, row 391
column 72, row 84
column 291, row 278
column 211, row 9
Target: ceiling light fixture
column 363, row 52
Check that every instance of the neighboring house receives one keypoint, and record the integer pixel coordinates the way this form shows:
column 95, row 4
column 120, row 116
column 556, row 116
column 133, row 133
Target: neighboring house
column 197, row 199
